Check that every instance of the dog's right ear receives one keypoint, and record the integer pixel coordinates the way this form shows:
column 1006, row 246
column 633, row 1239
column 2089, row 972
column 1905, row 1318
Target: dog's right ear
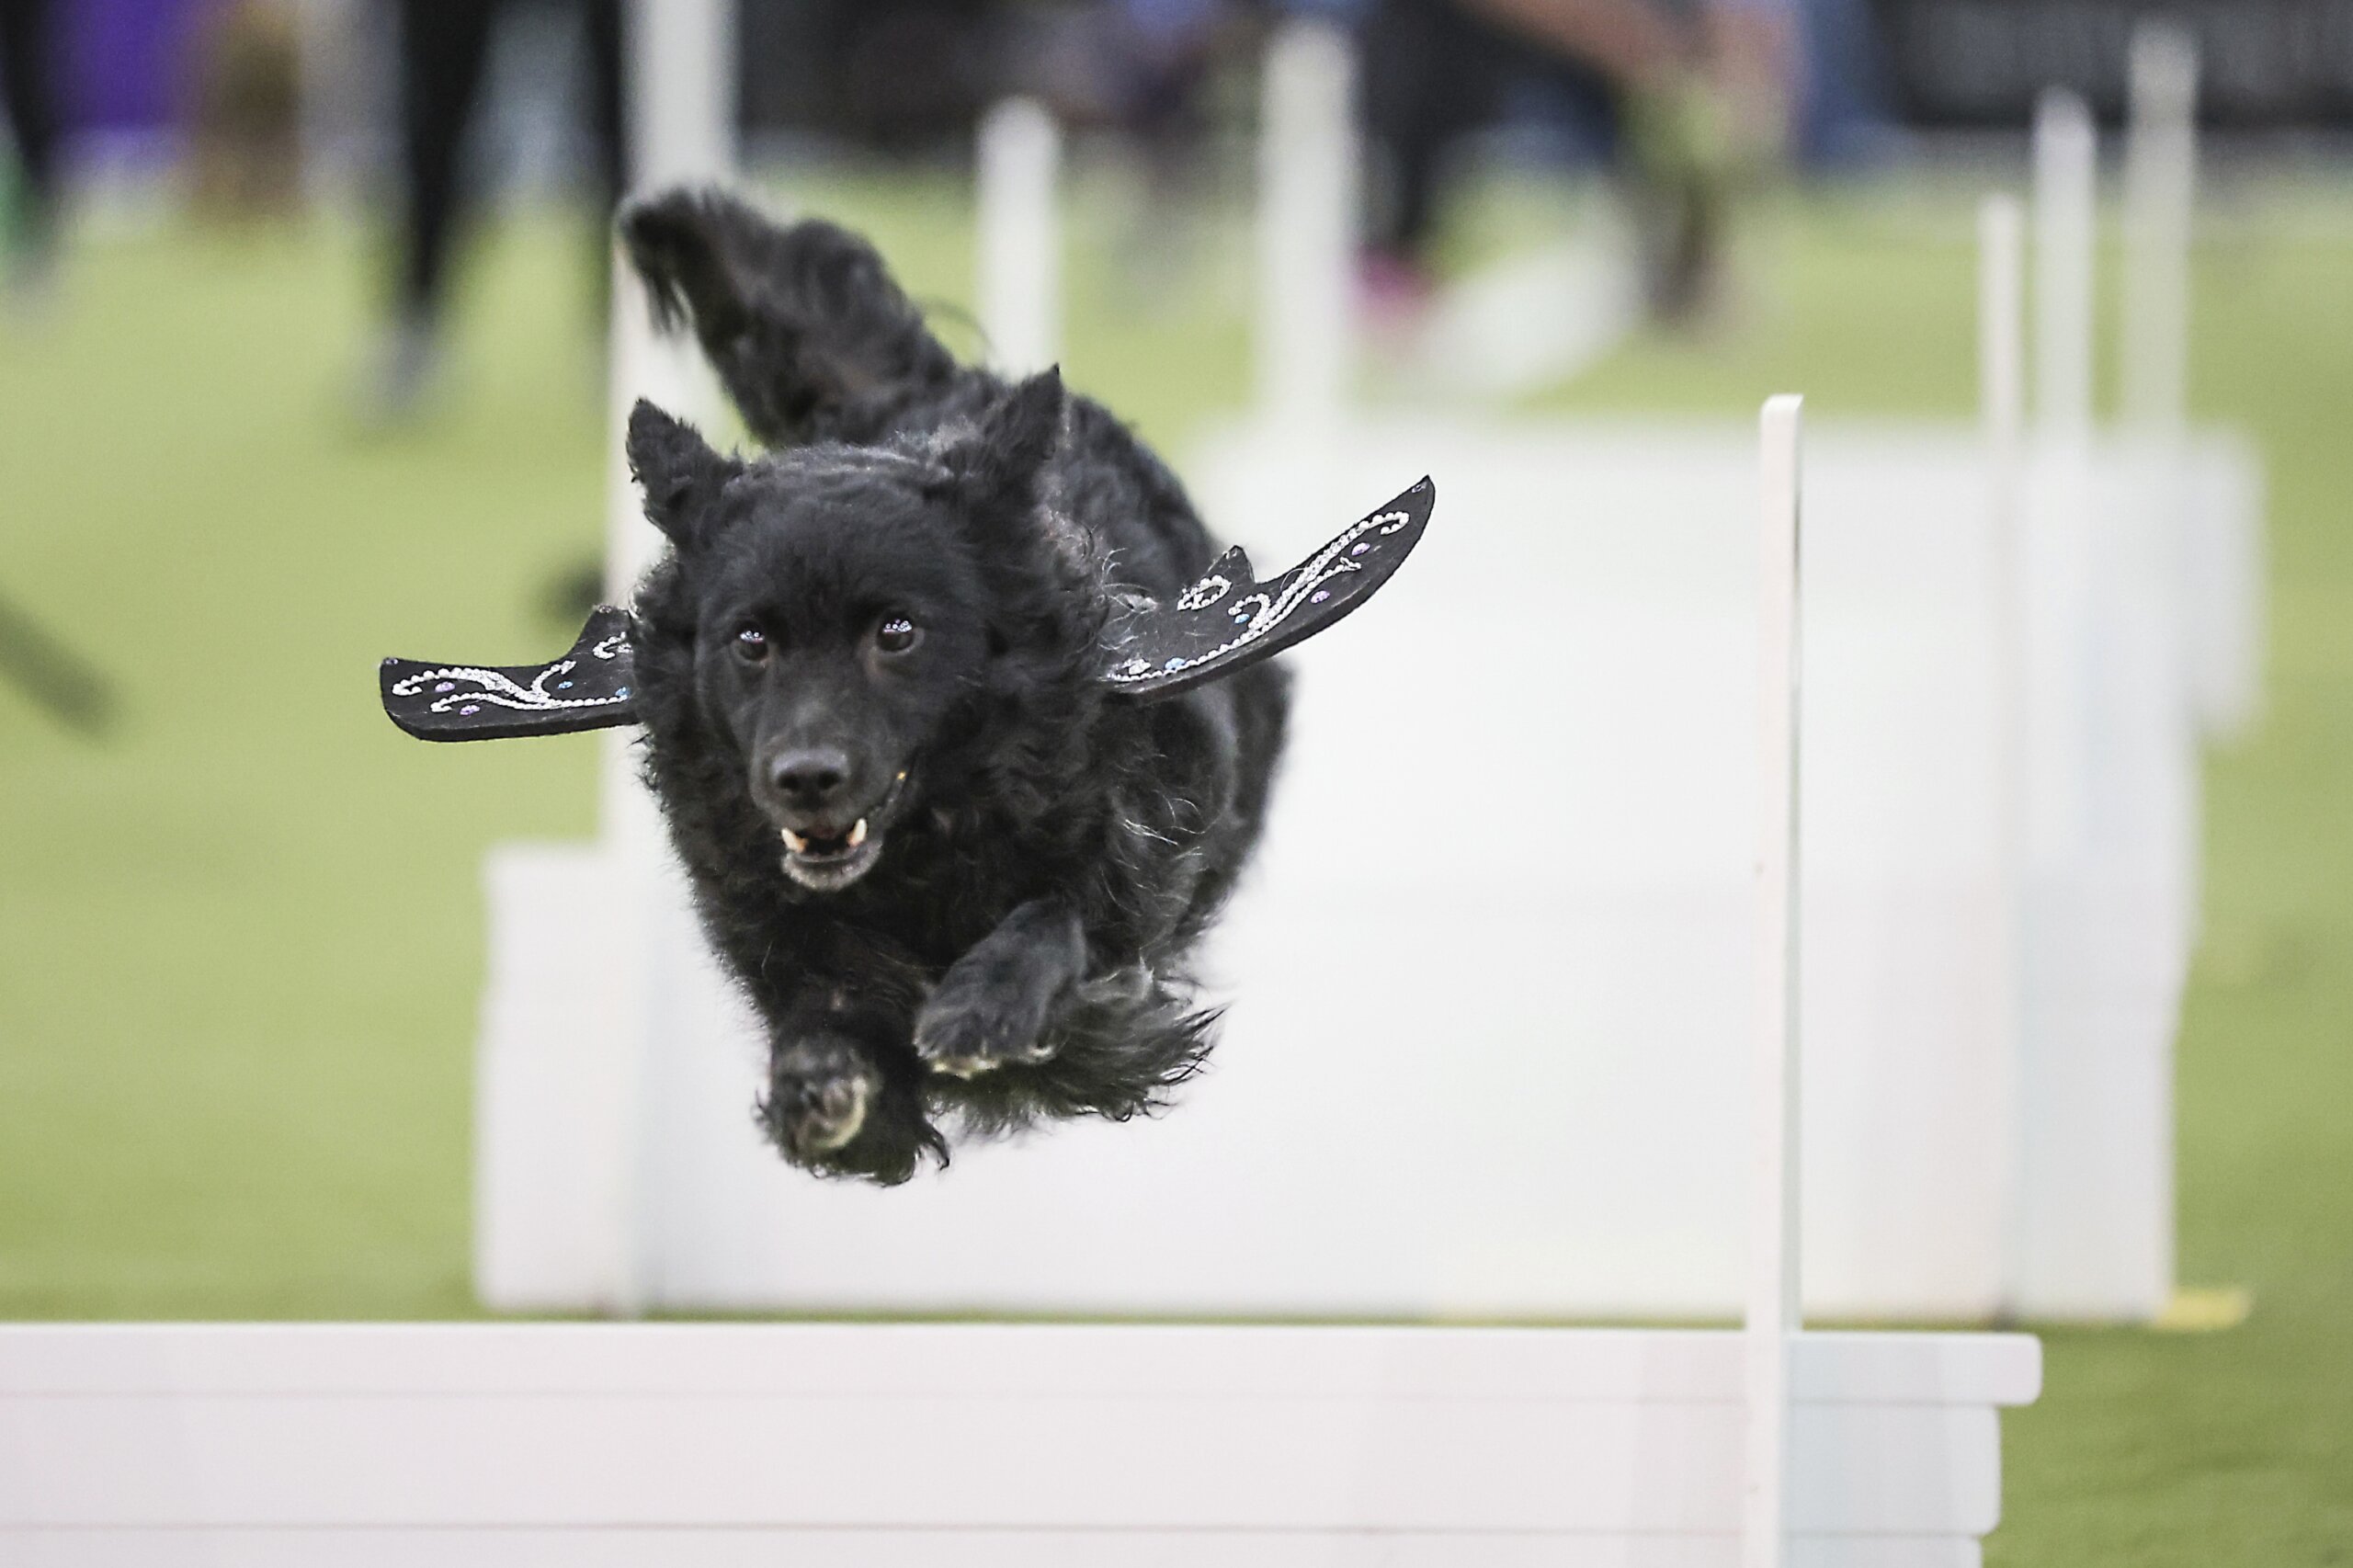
column 681, row 475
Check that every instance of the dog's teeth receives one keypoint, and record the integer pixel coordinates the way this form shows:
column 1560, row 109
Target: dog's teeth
column 858, row 834
column 794, row 842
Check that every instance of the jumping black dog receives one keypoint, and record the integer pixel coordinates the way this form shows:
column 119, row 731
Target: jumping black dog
column 955, row 876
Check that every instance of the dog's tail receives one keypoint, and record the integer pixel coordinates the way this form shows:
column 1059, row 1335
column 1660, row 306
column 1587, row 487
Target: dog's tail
column 802, row 322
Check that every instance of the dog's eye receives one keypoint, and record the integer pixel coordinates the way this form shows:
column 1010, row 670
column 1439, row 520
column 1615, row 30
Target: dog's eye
column 896, row 634
column 751, row 644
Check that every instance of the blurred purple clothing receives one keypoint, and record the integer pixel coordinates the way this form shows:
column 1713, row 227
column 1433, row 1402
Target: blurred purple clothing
column 124, row 64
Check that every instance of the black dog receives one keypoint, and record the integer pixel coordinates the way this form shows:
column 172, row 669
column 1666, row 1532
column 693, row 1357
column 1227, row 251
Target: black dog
column 958, row 878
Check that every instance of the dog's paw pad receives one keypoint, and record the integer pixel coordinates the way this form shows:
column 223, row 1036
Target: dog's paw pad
column 966, row 1042
column 813, row 1113
column 836, row 1113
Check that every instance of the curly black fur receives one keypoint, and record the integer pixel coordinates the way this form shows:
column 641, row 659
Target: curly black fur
column 1010, row 943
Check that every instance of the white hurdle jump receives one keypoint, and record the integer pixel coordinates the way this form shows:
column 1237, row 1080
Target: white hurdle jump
column 1058, row 1446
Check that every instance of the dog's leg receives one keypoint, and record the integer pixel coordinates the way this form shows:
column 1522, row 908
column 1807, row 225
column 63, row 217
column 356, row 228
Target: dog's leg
column 993, row 1005
column 834, row 1107
column 802, row 322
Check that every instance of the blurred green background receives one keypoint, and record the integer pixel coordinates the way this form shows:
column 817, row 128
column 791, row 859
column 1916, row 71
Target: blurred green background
column 241, row 938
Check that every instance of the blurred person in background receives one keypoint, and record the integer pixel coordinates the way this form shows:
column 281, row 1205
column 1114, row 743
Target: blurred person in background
column 1147, row 68
column 245, row 113
column 29, row 199
column 1688, row 96
column 444, row 48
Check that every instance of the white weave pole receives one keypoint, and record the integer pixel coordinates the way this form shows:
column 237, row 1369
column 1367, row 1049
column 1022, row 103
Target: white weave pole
column 1308, row 171
column 2065, row 191
column 679, row 63
column 2160, row 190
column 1774, row 1313
column 2001, row 378
column 1019, row 287
column 2058, row 721
column 678, row 59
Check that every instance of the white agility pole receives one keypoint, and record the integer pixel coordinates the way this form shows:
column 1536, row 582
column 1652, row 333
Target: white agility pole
column 2001, row 370
column 678, row 62
column 2067, row 191
column 1308, row 173
column 2160, row 190
column 1774, row 1311
column 2066, row 194
column 1019, row 242
column 2065, row 215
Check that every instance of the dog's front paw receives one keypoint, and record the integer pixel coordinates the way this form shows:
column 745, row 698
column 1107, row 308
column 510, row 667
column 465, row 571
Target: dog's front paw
column 819, row 1092
column 977, row 1020
column 831, row 1110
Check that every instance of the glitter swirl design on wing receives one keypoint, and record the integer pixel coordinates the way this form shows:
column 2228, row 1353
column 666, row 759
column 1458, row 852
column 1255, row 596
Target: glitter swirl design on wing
column 1334, row 561
column 461, row 688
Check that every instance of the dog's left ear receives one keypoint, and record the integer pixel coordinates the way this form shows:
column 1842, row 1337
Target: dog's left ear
column 997, row 473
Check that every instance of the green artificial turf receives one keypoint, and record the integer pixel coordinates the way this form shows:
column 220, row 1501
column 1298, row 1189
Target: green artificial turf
column 240, row 936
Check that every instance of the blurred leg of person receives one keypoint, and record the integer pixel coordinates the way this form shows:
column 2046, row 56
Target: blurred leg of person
column 444, row 45
column 28, row 233
column 1434, row 71
column 445, row 51
column 1637, row 44
column 605, row 91
column 1436, row 68
column 1431, row 73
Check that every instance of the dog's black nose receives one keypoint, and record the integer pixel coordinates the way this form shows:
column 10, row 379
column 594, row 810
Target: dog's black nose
column 809, row 779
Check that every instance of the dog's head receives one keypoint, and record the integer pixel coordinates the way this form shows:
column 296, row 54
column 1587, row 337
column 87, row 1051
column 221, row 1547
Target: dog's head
column 849, row 609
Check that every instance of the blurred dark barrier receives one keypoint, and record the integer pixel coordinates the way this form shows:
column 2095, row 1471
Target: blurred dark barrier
column 894, row 74
column 59, row 681
column 2264, row 63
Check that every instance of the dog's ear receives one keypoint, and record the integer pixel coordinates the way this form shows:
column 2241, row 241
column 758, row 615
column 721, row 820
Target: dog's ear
column 681, row 475
column 997, row 473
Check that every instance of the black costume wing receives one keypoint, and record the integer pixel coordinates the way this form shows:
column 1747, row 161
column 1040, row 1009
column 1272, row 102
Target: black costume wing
column 1230, row 620
column 589, row 688
column 1220, row 624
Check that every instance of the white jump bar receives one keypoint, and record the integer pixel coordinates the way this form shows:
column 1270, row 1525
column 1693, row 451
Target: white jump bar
column 1128, row 1431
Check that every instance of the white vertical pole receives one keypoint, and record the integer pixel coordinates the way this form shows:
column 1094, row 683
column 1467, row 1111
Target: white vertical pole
column 1019, row 160
column 2000, row 360
column 2065, row 191
column 2059, row 697
column 1774, row 1313
column 679, row 68
column 2160, row 193
column 1307, row 225
column 2160, row 189
column 681, row 76
column 2001, row 345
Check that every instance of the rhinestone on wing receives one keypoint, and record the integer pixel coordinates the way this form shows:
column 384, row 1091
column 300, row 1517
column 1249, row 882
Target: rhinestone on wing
column 1205, row 593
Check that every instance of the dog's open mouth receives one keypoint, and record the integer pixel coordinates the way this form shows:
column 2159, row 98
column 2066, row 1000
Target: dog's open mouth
column 820, row 848
column 826, row 861
column 826, row 858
